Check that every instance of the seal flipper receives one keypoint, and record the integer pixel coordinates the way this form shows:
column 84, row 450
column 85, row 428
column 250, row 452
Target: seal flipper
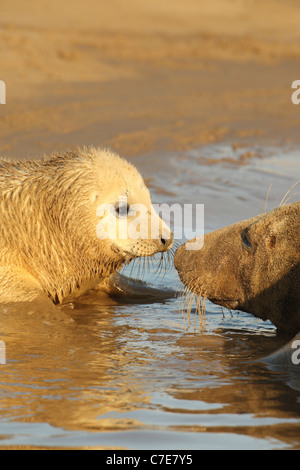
column 132, row 290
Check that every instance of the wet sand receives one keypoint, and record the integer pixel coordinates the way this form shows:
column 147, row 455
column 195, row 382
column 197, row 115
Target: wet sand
column 198, row 95
column 146, row 75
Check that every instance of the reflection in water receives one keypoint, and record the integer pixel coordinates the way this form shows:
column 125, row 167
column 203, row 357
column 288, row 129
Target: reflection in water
column 136, row 368
column 110, row 374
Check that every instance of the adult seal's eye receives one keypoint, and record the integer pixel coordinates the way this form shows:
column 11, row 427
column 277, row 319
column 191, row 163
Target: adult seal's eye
column 245, row 240
column 122, row 209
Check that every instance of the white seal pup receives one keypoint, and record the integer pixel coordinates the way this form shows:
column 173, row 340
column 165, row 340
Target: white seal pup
column 71, row 221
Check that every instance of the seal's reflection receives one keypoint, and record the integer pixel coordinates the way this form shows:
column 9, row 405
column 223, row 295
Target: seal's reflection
column 106, row 366
column 66, row 367
column 69, row 365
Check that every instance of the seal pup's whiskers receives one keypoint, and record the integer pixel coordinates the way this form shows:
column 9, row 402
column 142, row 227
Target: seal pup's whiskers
column 143, row 264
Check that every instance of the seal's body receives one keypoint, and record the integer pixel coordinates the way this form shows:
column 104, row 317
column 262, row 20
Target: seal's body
column 49, row 221
column 253, row 266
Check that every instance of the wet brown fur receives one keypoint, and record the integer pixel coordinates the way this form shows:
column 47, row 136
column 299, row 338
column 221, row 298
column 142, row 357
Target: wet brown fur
column 252, row 266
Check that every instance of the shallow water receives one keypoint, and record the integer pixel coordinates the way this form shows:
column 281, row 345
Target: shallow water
column 134, row 375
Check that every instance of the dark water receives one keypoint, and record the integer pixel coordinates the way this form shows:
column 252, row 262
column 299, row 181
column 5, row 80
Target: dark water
column 133, row 375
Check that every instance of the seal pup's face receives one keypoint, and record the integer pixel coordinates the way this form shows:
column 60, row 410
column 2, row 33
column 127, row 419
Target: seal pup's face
column 253, row 266
column 127, row 219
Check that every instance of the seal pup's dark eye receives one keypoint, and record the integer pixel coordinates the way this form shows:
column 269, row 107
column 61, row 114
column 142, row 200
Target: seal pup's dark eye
column 122, row 209
column 245, row 240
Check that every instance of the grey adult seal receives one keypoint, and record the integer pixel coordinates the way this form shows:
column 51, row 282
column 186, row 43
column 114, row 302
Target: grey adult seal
column 252, row 266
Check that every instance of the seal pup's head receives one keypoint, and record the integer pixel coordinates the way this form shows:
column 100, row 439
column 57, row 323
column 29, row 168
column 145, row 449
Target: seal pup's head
column 253, row 266
column 105, row 211
column 72, row 220
column 125, row 220
column 125, row 216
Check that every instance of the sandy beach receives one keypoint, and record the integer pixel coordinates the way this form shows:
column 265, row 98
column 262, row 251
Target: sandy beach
column 141, row 76
column 198, row 95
